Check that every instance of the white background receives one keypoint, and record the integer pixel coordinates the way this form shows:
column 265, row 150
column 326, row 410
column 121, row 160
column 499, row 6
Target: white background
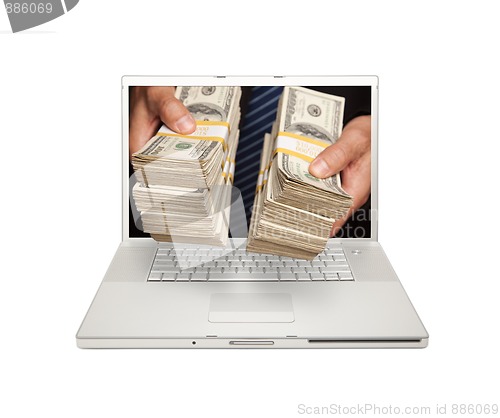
column 60, row 206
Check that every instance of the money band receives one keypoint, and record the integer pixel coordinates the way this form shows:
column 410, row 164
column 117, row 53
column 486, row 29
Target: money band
column 260, row 181
column 206, row 130
column 298, row 146
column 263, row 175
column 231, row 171
column 224, row 161
column 228, row 170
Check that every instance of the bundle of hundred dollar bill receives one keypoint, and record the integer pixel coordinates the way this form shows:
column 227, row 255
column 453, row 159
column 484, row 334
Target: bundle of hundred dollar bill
column 293, row 210
column 184, row 181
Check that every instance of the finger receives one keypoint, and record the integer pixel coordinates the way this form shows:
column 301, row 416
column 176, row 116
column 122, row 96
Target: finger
column 332, row 160
column 175, row 115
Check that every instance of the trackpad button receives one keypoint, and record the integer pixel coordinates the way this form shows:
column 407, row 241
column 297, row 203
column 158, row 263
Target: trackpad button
column 251, row 307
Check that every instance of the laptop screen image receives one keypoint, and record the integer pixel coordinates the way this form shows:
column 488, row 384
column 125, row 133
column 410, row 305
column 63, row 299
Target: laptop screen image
column 240, row 138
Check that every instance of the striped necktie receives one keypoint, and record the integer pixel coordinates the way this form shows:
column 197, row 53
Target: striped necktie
column 259, row 118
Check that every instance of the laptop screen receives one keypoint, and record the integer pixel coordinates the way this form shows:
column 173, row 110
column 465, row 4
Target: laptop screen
column 188, row 144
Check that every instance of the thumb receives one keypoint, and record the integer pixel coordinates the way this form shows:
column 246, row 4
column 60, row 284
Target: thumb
column 332, row 160
column 175, row 115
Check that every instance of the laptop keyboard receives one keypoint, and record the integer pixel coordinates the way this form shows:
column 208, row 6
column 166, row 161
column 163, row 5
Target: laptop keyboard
column 201, row 265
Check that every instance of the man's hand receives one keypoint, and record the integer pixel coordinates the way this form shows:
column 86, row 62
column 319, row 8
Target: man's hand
column 149, row 107
column 351, row 156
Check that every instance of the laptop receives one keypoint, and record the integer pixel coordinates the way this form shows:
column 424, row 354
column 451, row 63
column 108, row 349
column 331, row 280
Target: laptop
column 157, row 295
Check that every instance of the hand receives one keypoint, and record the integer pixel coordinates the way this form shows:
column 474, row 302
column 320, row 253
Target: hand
column 350, row 155
column 149, row 107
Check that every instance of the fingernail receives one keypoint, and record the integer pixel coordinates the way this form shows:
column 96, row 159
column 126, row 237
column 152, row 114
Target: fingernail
column 186, row 124
column 319, row 168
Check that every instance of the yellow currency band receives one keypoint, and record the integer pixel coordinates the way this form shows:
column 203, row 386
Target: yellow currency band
column 202, row 137
column 259, row 186
column 264, row 179
column 295, row 153
column 213, row 123
column 197, row 138
column 228, row 160
column 224, row 162
column 224, row 174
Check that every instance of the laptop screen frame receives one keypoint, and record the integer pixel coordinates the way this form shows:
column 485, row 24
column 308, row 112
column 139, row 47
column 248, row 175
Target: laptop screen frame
column 132, row 81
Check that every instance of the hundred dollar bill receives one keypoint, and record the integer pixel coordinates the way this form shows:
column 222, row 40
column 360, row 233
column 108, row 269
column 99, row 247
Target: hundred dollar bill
column 311, row 114
column 210, row 103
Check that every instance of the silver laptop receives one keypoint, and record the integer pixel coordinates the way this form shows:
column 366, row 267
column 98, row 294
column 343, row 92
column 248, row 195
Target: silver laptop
column 156, row 295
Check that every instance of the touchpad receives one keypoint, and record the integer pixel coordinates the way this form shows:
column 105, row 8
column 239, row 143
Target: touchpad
column 251, row 307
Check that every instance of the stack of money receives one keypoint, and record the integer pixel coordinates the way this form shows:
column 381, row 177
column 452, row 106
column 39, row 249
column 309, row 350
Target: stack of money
column 293, row 210
column 184, row 181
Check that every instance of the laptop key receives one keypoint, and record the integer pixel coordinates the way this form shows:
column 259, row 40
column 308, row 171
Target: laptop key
column 317, row 276
column 332, row 251
column 345, row 276
column 246, row 258
column 260, row 258
column 288, row 277
column 199, row 277
column 242, row 276
column 336, row 269
column 182, row 277
column 190, row 251
column 155, row 276
column 331, row 276
column 162, row 252
column 163, row 269
column 324, row 257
